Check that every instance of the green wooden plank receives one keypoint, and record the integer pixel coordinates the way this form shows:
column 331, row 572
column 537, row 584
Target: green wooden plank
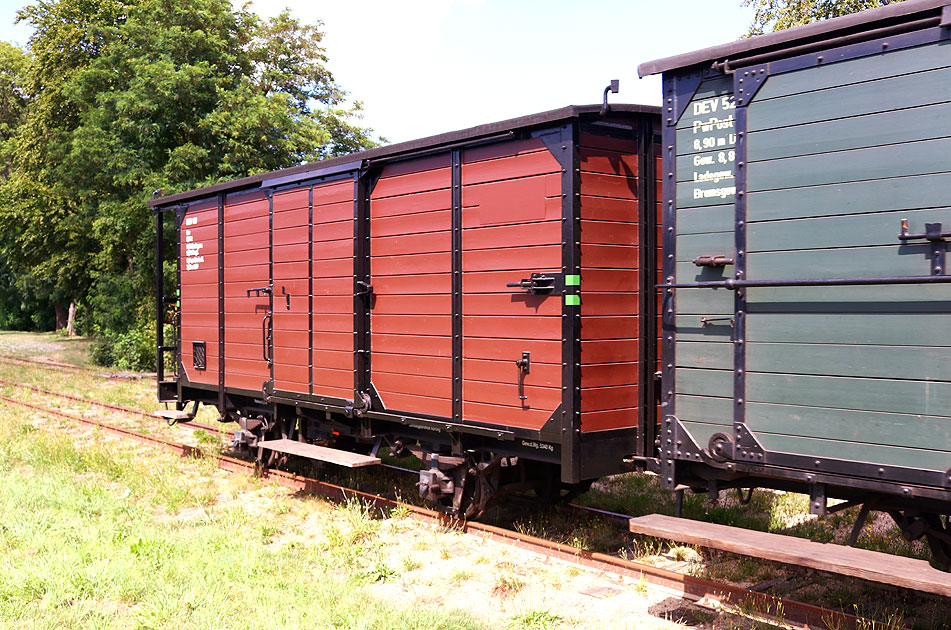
column 707, row 355
column 705, row 219
column 866, row 361
column 923, row 88
column 905, row 193
column 696, row 194
column 897, row 160
column 904, row 125
column 852, row 230
column 704, row 301
column 893, row 260
column 870, row 68
column 929, row 298
column 689, row 246
column 701, row 432
column 869, row 394
column 705, row 409
column 709, row 95
column 691, row 328
column 917, row 459
column 717, row 383
column 706, row 138
column 865, row 427
column 689, row 272
column 710, row 166
column 930, row 329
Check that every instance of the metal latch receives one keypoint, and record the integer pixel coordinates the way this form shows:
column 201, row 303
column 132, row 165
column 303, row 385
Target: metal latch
column 364, row 288
column 937, row 239
column 258, row 291
column 538, row 284
column 713, row 260
column 524, row 367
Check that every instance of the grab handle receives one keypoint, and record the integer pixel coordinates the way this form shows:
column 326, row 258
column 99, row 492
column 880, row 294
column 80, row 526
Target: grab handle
column 266, row 337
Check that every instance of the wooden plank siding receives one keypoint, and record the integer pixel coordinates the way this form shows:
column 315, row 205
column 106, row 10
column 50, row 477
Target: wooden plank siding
column 199, row 290
column 411, row 316
column 511, row 227
column 609, row 282
column 838, row 156
column 291, row 245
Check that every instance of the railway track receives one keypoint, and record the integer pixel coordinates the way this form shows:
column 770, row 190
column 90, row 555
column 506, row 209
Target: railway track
column 705, row 592
column 67, row 368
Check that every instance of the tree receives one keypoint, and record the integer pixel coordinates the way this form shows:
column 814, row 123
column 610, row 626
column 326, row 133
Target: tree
column 130, row 96
column 776, row 15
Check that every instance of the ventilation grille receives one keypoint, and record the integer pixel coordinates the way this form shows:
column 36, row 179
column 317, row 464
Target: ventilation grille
column 198, row 354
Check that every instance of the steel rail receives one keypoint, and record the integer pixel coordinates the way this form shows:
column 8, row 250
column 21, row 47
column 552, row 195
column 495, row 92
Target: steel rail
column 65, row 367
column 709, row 593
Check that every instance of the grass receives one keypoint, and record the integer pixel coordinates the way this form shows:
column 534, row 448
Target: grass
column 100, row 535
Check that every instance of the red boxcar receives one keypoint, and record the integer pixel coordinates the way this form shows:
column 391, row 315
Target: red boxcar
column 483, row 299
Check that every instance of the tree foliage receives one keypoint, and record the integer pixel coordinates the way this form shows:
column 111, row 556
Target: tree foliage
column 776, row 15
column 124, row 97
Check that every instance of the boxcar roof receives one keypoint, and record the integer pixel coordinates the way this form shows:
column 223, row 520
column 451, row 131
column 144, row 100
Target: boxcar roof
column 854, row 25
column 315, row 169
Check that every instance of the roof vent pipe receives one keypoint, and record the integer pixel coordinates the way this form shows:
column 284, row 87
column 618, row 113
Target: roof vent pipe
column 613, row 87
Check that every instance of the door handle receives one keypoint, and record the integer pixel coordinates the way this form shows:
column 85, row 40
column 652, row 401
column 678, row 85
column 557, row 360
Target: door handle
column 266, row 337
column 524, row 367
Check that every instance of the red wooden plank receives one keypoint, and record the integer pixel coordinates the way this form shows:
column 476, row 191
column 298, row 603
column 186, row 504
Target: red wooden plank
column 206, row 377
column 329, row 322
column 502, row 150
column 411, row 264
column 541, row 374
column 418, row 404
column 409, row 364
column 521, row 304
column 245, row 305
column 415, row 385
column 422, row 284
column 607, row 374
column 544, row 398
column 418, row 223
column 199, row 333
column 411, row 345
column 255, row 257
column 412, row 305
column 505, row 416
column 239, row 211
column 424, row 325
column 342, row 341
column 543, row 233
column 203, row 275
column 291, row 235
column 326, row 250
column 416, row 244
column 512, row 201
column 604, row 161
column 332, row 213
column 609, row 232
column 251, row 273
column 333, row 231
column 298, row 288
column 511, row 349
column 248, row 367
column 328, row 359
column 285, row 379
column 205, row 320
column 200, row 305
column 605, row 398
column 602, row 280
column 615, row 351
column 192, row 291
column 519, row 259
column 417, row 202
column 292, row 356
column 607, row 420
column 337, row 268
column 333, row 192
column 244, row 381
column 250, row 352
column 332, row 304
column 609, row 209
column 333, row 378
column 335, row 286
column 390, row 185
column 608, row 256
column 284, row 338
column 245, row 227
column 620, row 327
column 509, row 166
column 603, row 185
column 291, row 321
column 333, row 392
column 608, row 303
column 291, row 253
column 494, row 281
column 291, row 199
column 512, row 327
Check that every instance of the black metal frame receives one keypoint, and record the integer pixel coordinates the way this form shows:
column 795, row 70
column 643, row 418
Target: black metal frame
column 681, row 457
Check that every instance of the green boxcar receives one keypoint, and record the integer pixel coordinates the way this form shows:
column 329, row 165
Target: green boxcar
column 807, row 220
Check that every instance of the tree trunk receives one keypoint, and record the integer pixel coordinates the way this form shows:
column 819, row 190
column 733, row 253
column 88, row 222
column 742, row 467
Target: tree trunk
column 71, row 319
column 62, row 315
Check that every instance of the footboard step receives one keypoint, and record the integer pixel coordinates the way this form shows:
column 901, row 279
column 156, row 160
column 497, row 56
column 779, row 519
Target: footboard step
column 172, row 414
column 320, row 453
column 874, row 566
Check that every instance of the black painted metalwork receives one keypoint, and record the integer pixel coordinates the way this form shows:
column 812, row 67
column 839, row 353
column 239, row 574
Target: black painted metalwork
column 160, row 296
column 742, row 437
column 268, row 387
column 362, row 296
column 310, row 289
column 809, row 282
column 456, row 160
column 647, row 293
column 222, row 400
column 569, row 158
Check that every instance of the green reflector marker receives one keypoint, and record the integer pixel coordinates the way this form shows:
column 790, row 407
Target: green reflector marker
column 573, row 300
column 573, row 281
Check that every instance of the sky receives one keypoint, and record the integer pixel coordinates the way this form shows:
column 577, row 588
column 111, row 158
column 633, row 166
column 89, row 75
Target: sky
column 423, row 67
